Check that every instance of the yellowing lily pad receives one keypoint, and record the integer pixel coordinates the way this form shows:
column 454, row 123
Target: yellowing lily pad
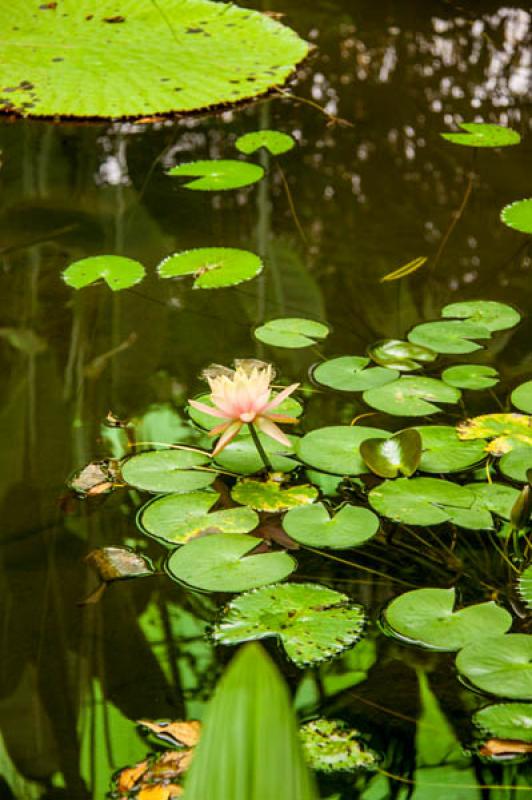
column 506, row 431
column 271, row 495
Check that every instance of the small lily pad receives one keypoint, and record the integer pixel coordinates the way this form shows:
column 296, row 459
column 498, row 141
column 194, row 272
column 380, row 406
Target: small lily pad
column 400, row 355
column 506, row 721
column 351, row 526
column 117, row 272
column 167, row 471
column 420, row 501
column 517, row 463
column 487, row 313
column 483, row 134
column 314, row 623
column 336, row 448
column 470, row 376
column 218, row 174
column 507, row 431
column 221, row 564
column 398, row 455
column 443, row 451
column 522, row 397
column 271, row 495
column 176, row 518
column 349, row 374
column 427, row 617
column 330, row 746
column 411, row 396
column 525, row 586
column 450, row 336
column 500, row 665
column 275, row 142
column 518, row 215
column 212, row 267
column 291, row 332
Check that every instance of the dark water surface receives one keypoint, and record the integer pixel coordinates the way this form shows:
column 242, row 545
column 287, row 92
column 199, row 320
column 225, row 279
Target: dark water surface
column 368, row 199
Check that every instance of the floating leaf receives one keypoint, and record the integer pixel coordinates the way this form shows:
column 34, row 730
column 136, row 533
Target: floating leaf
column 525, row 586
column 177, row 518
column 470, row 376
column 118, row 563
column 241, row 455
column 522, row 397
column 522, row 507
column 221, row 564
column 212, row 267
column 410, row 396
column 151, row 61
column 506, row 721
column 507, row 431
column 405, row 270
column 497, row 498
column 400, row 454
column 449, row 336
column 351, row 526
column 348, row 374
column 313, row 622
column 99, row 477
column 330, row 746
column 420, row 501
column 443, row 451
column 168, row 471
column 517, row 463
column 487, row 313
column 427, row 617
column 117, row 272
column 483, row 134
column 500, row 665
column 271, row 495
column 218, row 175
column 291, row 332
column 400, row 355
column 518, row 215
column 336, row 448
column 274, row 141
column 328, row 485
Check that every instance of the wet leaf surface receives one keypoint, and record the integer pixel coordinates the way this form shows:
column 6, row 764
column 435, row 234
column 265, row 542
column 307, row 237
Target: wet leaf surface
column 350, row 526
column 331, row 746
column 398, row 455
column 291, row 332
column 212, row 267
column 271, row 495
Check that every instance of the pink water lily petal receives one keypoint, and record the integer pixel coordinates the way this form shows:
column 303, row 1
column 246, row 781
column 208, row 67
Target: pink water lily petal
column 281, row 418
column 226, row 437
column 218, row 429
column 213, row 412
column 270, row 429
column 281, row 396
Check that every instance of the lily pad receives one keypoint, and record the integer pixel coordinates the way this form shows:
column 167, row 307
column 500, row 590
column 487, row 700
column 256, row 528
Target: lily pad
column 314, row 623
column 449, row 336
column 487, row 313
column 336, row 448
column 218, row 175
column 400, row 355
column 212, row 267
column 518, row 215
column 398, row 455
column 176, row 518
column 349, row 374
column 411, row 396
column 241, row 455
column 427, row 617
column 167, row 471
column 271, row 495
column 420, row 501
column 490, row 498
column 291, row 332
column 507, row 431
column 221, row 564
column 506, row 721
column 470, row 376
column 525, row 586
column 522, row 397
column 275, row 142
column 483, row 134
column 500, row 665
column 517, row 463
column 330, row 746
column 443, row 451
column 136, row 59
column 118, row 563
column 351, row 526
column 117, row 272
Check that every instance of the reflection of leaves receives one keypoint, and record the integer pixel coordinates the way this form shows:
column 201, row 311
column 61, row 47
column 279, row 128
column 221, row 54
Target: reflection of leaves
column 24, row 339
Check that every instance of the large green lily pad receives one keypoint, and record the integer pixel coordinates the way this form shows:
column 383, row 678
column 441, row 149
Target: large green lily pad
column 420, row 501
column 506, row 721
column 411, row 396
column 313, row 622
column 351, row 526
column 221, row 564
column 115, row 58
column 212, row 267
column 271, row 496
column 336, row 448
column 500, row 665
column 350, row 374
column 443, row 451
column 492, row 315
column 241, row 455
column 330, row 746
column 427, row 617
column 168, row 471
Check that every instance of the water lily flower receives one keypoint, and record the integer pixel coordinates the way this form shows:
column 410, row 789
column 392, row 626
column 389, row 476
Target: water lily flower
column 243, row 396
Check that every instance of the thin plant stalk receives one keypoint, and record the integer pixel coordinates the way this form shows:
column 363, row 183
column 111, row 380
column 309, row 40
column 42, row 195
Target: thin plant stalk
column 260, row 449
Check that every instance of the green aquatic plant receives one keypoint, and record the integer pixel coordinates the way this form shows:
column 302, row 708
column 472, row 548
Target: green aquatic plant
column 275, row 142
column 312, row 525
column 168, row 471
column 331, row 746
column 499, row 665
column 506, row 721
column 483, row 134
column 518, row 215
column 351, row 374
column 398, row 455
column 212, row 267
column 291, row 332
column 116, row 271
column 217, row 174
column 145, row 58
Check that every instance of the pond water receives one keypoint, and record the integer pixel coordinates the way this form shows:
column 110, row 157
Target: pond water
column 362, row 200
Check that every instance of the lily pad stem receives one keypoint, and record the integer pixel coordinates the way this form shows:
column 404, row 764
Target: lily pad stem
column 260, row 449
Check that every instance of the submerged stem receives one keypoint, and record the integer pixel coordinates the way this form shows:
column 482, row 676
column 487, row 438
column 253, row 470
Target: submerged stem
column 260, row 449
